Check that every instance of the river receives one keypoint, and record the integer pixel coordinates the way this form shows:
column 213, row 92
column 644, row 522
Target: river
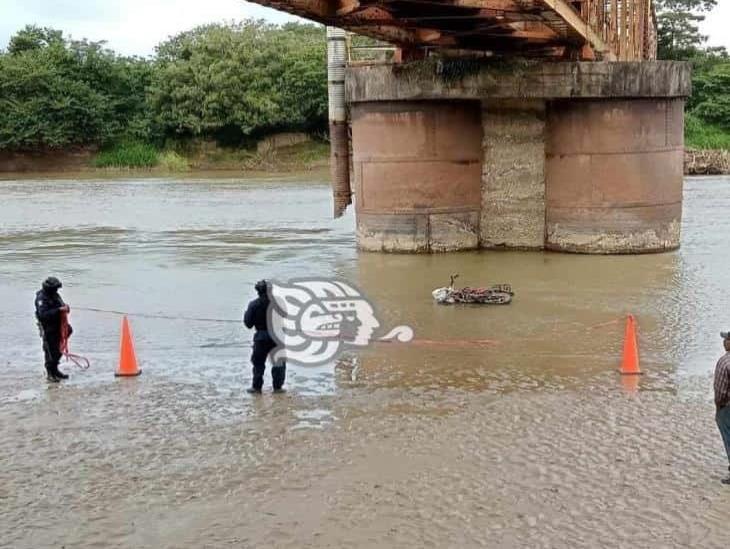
column 497, row 426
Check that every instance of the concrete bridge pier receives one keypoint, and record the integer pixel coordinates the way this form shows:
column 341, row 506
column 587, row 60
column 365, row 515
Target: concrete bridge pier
column 575, row 157
column 417, row 168
column 614, row 172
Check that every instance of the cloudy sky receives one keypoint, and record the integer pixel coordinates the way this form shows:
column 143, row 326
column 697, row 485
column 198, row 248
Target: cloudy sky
column 131, row 27
column 134, row 27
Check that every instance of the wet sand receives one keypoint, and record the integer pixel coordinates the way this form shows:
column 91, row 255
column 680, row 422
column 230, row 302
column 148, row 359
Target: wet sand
column 533, row 440
column 546, row 467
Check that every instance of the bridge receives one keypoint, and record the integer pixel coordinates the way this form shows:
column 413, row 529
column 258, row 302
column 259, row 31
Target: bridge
column 587, row 29
column 505, row 124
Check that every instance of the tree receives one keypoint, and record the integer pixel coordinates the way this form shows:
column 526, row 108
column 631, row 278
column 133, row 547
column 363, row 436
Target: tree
column 241, row 79
column 32, row 37
column 678, row 27
column 707, row 122
column 59, row 93
column 226, row 82
column 710, row 100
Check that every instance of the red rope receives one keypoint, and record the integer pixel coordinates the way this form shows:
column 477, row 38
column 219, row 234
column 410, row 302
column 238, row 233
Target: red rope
column 78, row 360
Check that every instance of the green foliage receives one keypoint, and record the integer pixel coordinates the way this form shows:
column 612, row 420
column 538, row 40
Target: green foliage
column 701, row 135
column 172, row 162
column 58, row 93
column 708, row 109
column 710, row 99
column 678, row 31
column 232, row 81
column 707, row 122
column 128, row 155
column 33, row 38
column 306, row 154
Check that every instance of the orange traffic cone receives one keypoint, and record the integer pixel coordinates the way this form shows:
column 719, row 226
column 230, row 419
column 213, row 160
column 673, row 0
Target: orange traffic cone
column 127, row 358
column 630, row 362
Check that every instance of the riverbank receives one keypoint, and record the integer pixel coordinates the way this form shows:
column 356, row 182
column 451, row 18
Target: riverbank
column 706, row 162
column 297, row 157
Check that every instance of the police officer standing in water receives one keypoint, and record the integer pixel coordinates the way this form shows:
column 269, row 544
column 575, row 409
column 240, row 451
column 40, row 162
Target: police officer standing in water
column 263, row 343
column 49, row 309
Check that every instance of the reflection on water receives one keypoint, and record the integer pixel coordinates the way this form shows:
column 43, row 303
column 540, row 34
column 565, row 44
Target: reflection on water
column 184, row 431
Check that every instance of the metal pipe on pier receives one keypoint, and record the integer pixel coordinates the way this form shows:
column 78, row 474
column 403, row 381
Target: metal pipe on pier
column 339, row 140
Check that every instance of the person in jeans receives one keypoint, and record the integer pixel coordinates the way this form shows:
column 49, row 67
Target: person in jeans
column 722, row 397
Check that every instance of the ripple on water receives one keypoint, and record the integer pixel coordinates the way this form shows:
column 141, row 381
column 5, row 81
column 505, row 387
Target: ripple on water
column 22, row 396
column 515, row 432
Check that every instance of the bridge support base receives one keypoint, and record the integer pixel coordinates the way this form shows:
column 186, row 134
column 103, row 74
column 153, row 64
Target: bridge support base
column 574, row 157
column 417, row 169
column 614, row 175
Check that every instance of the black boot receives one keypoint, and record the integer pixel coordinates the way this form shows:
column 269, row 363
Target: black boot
column 278, row 376
column 55, row 372
column 257, row 381
column 51, row 375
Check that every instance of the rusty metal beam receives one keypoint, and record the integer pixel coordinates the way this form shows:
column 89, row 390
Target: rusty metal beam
column 346, row 7
column 485, row 6
column 495, row 5
column 538, row 36
column 542, row 33
column 316, row 8
column 458, row 23
column 368, row 13
column 579, row 26
column 499, row 5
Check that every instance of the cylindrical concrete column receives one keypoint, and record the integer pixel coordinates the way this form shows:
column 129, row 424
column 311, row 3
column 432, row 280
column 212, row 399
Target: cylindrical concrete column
column 417, row 169
column 614, row 173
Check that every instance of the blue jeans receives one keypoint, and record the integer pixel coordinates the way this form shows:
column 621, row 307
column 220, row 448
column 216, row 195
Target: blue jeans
column 722, row 417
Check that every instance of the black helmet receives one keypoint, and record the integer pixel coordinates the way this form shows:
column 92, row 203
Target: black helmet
column 52, row 284
column 261, row 287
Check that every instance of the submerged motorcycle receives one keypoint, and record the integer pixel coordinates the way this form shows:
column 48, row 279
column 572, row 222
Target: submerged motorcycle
column 499, row 294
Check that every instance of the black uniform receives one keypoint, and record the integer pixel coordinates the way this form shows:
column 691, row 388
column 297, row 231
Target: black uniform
column 263, row 344
column 48, row 306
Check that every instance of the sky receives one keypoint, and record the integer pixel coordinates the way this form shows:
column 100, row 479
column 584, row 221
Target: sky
column 130, row 27
column 135, row 27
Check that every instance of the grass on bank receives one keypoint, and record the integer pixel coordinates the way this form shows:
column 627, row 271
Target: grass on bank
column 137, row 155
column 170, row 161
column 300, row 157
column 127, row 155
column 701, row 135
column 207, row 156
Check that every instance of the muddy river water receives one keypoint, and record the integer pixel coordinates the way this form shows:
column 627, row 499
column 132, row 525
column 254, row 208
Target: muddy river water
column 496, row 427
